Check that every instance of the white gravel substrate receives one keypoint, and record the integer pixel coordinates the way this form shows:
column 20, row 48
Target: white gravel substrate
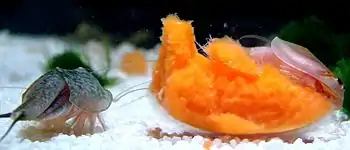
column 21, row 63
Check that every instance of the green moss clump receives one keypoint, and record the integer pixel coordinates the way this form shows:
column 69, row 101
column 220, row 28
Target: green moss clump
column 72, row 60
column 66, row 60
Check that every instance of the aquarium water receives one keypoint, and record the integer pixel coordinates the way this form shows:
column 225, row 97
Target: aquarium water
column 129, row 119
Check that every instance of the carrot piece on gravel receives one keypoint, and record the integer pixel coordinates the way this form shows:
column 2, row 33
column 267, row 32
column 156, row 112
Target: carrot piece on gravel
column 228, row 92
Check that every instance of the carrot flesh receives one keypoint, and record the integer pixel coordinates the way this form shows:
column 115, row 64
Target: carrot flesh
column 134, row 63
column 228, row 92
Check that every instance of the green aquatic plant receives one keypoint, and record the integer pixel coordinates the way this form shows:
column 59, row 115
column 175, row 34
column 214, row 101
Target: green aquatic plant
column 71, row 59
column 332, row 49
column 314, row 34
column 86, row 32
column 343, row 44
column 143, row 38
column 342, row 71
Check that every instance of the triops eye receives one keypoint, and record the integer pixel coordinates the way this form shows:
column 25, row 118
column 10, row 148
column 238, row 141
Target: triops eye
column 340, row 81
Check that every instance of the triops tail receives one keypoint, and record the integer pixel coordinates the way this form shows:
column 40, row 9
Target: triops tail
column 7, row 115
column 17, row 117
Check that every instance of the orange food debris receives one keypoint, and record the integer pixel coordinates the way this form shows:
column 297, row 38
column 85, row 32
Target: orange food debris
column 228, row 92
column 134, row 63
column 207, row 145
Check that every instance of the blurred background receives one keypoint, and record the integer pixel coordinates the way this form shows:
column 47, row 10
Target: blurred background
column 139, row 21
column 123, row 18
column 322, row 27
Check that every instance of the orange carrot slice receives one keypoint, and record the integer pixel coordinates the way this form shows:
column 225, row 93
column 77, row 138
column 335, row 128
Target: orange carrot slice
column 134, row 63
column 228, row 92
